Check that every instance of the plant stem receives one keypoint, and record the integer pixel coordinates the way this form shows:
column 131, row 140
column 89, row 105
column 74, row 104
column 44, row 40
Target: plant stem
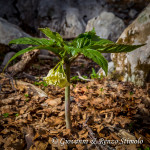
column 67, row 99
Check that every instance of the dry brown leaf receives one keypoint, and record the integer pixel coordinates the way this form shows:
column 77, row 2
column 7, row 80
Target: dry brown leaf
column 8, row 109
column 53, row 132
column 122, row 120
column 61, row 114
column 29, row 117
column 99, row 128
column 84, row 89
column 97, row 101
column 131, row 147
column 53, row 121
column 1, row 140
column 67, row 132
column 54, row 102
column 80, row 147
column 84, row 135
column 147, row 135
column 124, row 134
column 115, row 136
column 83, row 97
column 5, row 131
column 37, row 135
column 38, row 145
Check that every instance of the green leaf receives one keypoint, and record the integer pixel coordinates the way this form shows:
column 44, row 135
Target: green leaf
column 5, row 115
column 55, row 50
column 97, row 57
column 94, row 74
column 90, row 35
column 17, row 115
column 81, row 42
column 115, row 48
column 32, row 41
column 54, row 36
column 20, row 53
column 71, row 50
column 102, row 42
column 93, row 71
column 88, row 39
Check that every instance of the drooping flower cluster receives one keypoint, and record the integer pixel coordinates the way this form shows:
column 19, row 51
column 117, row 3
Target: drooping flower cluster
column 57, row 76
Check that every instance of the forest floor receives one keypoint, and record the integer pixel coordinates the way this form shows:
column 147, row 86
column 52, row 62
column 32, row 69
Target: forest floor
column 105, row 114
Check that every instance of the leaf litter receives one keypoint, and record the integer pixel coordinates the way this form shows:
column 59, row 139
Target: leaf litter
column 100, row 109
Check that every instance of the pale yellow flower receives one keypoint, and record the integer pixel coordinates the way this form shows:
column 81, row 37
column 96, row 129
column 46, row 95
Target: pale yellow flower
column 57, row 78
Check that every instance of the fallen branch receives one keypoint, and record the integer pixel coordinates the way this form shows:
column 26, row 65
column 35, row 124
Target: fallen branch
column 80, row 77
column 25, row 61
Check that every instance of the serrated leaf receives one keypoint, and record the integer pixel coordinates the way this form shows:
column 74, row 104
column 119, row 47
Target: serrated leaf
column 115, row 48
column 20, row 53
column 32, row 41
column 97, row 57
column 88, row 39
column 102, row 42
column 81, row 42
column 54, row 36
column 71, row 50
column 90, row 35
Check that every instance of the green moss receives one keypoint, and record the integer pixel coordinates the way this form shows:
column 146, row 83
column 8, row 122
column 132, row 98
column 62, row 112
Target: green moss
column 129, row 69
column 144, row 67
column 142, row 18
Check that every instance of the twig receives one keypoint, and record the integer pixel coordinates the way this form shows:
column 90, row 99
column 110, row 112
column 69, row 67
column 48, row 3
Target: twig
column 80, row 77
column 30, row 77
column 91, row 135
column 11, row 80
column 26, row 75
column 96, row 143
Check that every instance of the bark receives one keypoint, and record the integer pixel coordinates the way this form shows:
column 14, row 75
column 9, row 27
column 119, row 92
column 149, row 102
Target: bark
column 25, row 62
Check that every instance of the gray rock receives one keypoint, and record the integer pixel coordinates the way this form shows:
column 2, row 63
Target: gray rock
column 135, row 66
column 32, row 14
column 111, row 68
column 89, row 9
column 55, row 14
column 7, row 58
column 72, row 24
column 106, row 25
column 107, row 56
column 9, row 32
column 61, row 17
